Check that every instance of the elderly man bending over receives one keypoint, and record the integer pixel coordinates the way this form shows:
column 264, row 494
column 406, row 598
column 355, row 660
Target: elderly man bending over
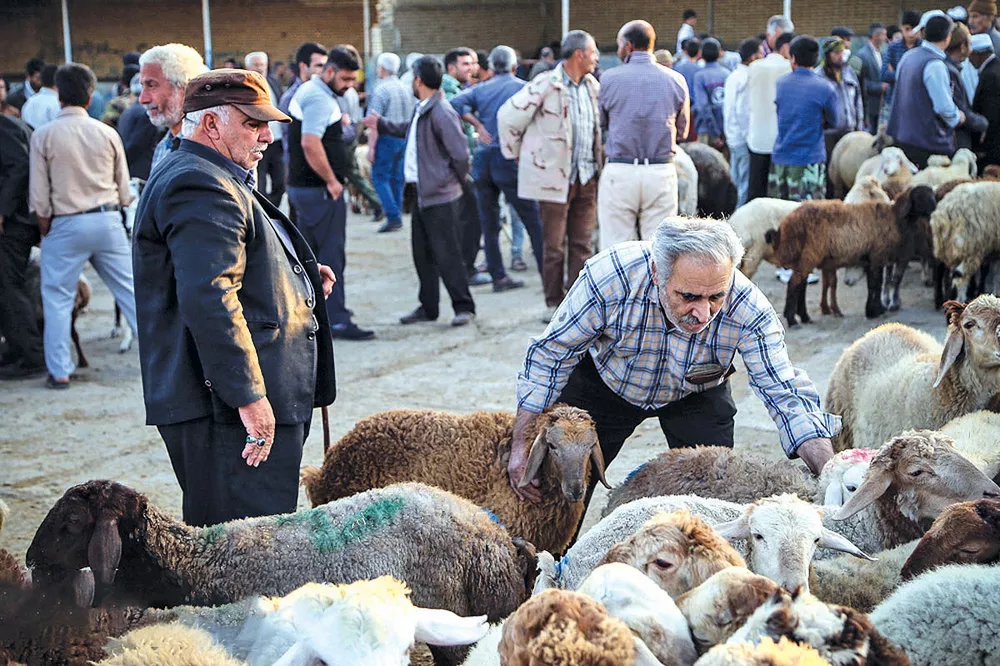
column 652, row 328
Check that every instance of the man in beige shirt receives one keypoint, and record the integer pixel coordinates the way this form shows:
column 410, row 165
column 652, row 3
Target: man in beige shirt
column 77, row 188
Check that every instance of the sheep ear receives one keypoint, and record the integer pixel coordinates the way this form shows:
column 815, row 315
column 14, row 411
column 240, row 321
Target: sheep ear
column 83, row 588
column 536, row 455
column 832, row 540
column 873, row 487
column 444, row 628
column 105, row 549
column 910, row 165
column 834, row 494
column 597, row 457
column 734, row 529
column 620, row 552
column 953, row 347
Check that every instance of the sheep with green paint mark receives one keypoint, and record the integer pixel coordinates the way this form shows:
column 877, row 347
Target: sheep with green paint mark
column 447, row 550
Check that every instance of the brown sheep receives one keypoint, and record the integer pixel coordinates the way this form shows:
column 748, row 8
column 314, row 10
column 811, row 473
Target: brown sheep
column 717, row 608
column 832, row 234
column 467, row 455
column 965, row 533
column 558, row 628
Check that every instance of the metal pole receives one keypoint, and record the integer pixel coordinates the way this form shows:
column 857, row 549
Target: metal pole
column 206, row 25
column 565, row 17
column 711, row 17
column 788, row 9
column 67, row 43
column 368, row 31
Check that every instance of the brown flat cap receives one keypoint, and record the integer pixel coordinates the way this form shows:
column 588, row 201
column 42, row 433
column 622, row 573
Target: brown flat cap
column 245, row 90
column 985, row 7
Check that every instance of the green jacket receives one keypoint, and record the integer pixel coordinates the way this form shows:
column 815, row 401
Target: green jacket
column 451, row 87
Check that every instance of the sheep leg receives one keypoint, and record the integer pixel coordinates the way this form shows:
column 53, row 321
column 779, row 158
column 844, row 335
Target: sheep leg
column 873, row 306
column 832, row 279
column 942, row 285
column 791, row 294
column 824, row 306
column 928, row 272
column 81, row 359
column 897, row 272
column 801, row 300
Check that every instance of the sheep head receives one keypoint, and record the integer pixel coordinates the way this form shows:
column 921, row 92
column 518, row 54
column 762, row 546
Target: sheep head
column 967, row 158
column 843, row 475
column 566, row 443
column 964, row 533
column 677, row 550
column 926, row 474
column 783, row 533
column 894, row 162
column 973, row 334
column 84, row 529
column 717, row 608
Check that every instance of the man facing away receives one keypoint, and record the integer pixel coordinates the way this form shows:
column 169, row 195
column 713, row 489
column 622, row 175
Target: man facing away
column 165, row 71
column 689, row 21
column 708, row 94
column 736, row 120
column 394, row 102
column 762, row 78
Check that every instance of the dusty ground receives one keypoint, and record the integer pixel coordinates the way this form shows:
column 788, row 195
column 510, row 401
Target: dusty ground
column 50, row 440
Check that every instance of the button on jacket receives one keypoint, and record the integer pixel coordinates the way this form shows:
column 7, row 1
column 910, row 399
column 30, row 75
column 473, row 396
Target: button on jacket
column 224, row 315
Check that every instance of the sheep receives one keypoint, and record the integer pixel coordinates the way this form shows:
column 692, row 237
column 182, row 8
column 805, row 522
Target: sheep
column 167, row 645
column 780, row 533
column 751, row 222
column 842, row 635
column 687, row 183
column 964, row 533
column 717, row 195
column 716, row 471
column 11, row 572
column 831, row 234
column 962, row 165
column 975, row 436
column 965, row 230
column 842, row 475
column 559, row 628
column 645, row 608
column 467, row 455
column 437, row 543
column 896, row 377
column 945, row 617
column 765, row 653
column 911, row 480
column 849, row 153
column 891, row 168
column 719, row 606
column 859, row 584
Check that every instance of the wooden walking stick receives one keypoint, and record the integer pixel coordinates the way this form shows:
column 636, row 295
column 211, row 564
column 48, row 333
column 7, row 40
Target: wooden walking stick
column 326, row 428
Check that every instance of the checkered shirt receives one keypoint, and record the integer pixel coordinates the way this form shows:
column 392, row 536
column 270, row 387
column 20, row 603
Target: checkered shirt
column 392, row 100
column 582, row 116
column 613, row 313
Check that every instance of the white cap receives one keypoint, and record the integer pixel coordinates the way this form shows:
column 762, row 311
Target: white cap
column 958, row 13
column 927, row 16
column 981, row 42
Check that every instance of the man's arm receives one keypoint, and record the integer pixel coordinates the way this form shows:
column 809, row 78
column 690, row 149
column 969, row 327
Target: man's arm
column 121, row 171
column 466, row 103
column 397, row 128
column 39, row 188
column 888, row 71
column 683, row 118
column 448, row 128
column 517, row 113
column 938, row 86
column 316, row 121
column 14, row 165
column 831, row 114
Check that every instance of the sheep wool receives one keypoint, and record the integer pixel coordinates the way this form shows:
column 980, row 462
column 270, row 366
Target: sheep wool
column 167, row 645
column 751, row 222
column 859, row 584
column 966, row 230
column 765, row 653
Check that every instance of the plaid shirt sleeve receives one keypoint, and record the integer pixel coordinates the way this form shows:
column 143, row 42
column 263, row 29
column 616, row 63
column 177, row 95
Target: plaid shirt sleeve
column 787, row 392
column 551, row 358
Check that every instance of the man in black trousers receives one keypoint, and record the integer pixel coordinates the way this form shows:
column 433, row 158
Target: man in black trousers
column 24, row 357
column 235, row 346
column 437, row 151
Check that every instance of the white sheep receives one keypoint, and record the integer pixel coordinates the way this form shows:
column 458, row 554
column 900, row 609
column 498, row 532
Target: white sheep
column 719, row 606
column 751, row 222
column 864, row 189
column 778, row 536
column 687, row 183
column 892, row 169
column 966, row 230
column 940, row 169
column 897, row 378
column 849, row 153
column 945, row 617
column 976, row 436
column 842, row 475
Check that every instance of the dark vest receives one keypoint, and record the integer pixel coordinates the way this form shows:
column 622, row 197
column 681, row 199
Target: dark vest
column 912, row 120
column 300, row 174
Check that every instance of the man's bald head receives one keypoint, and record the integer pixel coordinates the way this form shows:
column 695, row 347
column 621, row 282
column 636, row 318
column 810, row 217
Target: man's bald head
column 639, row 35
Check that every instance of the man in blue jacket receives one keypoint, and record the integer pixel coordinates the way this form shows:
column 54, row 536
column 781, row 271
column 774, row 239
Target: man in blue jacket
column 708, row 95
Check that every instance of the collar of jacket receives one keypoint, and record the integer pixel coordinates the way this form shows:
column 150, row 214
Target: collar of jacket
column 556, row 74
column 432, row 101
column 209, row 154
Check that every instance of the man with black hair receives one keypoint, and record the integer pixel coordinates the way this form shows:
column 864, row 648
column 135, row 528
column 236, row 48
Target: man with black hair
column 44, row 104
column 686, row 32
column 708, row 95
column 318, row 163
column 436, row 161
column 77, row 188
column 762, row 131
column 32, row 83
column 804, row 101
column 691, row 63
column 870, row 57
column 736, row 118
column 310, row 59
column 924, row 120
column 894, row 53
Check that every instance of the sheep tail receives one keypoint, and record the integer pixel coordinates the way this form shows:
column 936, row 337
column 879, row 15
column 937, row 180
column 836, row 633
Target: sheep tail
column 310, row 479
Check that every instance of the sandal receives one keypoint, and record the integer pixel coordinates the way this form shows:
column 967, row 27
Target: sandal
column 517, row 264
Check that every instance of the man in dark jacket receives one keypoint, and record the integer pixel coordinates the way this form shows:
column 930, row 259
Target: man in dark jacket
column 437, row 150
column 18, row 232
column 870, row 57
column 968, row 132
column 235, row 348
column 987, row 101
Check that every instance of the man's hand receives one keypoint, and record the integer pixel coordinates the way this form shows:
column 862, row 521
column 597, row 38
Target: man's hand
column 43, row 225
column 961, row 117
column 329, row 279
column 815, row 453
column 519, row 458
column 345, row 120
column 371, row 121
column 485, row 137
column 885, row 86
column 258, row 419
column 335, row 189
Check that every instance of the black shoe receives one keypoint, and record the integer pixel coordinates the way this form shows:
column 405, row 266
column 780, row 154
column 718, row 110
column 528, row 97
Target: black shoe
column 507, row 283
column 351, row 331
column 53, row 384
column 394, row 224
column 378, row 215
column 415, row 317
column 19, row 370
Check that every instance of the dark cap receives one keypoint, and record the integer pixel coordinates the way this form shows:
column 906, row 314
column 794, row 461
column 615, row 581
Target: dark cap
column 247, row 91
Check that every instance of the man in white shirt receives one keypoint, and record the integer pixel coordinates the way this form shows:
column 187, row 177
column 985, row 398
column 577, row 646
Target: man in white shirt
column 690, row 18
column 762, row 77
column 736, row 118
column 43, row 106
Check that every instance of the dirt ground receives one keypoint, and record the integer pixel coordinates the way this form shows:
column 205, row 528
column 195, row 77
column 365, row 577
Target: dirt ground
column 51, row 440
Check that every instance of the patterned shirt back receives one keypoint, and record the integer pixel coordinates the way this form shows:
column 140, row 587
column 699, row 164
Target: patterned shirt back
column 582, row 118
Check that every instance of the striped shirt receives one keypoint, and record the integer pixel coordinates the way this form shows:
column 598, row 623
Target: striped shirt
column 392, row 100
column 613, row 312
column 582, row 117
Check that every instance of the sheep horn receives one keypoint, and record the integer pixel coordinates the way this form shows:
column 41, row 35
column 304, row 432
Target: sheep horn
column 834, row 541
column 597, row 457
column 444, row 628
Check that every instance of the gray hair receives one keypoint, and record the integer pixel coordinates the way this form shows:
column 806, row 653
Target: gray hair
column 255, row 55
column 180, row 63
column 573, row 41
column 388, row 61
column 502, row 59
column 678, row 236
column 777, row 22
column 193, row 118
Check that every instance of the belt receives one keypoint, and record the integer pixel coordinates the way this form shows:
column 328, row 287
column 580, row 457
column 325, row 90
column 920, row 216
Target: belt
column 637, row 161
column 106, row 208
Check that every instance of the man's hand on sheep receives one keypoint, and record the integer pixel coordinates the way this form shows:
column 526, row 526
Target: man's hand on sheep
column 258, row 419
column 815, row 452
column 519, row 458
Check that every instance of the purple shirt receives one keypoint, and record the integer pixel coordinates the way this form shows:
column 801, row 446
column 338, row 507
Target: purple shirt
column 643, row 107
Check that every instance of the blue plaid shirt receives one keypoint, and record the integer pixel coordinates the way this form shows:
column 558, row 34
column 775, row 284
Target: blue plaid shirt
column 613, row 313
